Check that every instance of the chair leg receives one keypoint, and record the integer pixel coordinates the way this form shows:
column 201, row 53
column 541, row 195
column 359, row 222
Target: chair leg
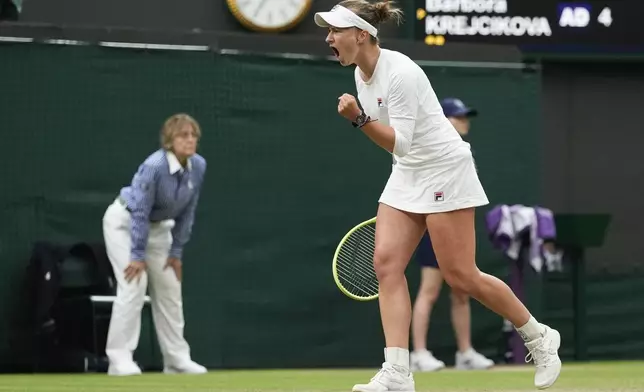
column 94, row 336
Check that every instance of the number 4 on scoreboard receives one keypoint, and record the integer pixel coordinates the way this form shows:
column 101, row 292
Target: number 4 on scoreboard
column 605, row 17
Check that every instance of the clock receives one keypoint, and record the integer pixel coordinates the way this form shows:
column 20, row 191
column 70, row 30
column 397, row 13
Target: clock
column 269, row 16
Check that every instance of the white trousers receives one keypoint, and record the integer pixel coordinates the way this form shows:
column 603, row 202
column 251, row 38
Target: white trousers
column 164, row 291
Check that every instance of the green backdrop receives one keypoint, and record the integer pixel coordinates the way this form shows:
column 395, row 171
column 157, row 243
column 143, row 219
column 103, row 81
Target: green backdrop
column 286, row 179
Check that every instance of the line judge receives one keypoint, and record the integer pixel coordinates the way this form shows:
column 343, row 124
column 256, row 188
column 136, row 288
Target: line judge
column 145, row 230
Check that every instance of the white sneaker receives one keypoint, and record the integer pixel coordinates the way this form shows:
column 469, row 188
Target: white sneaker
column 472, row 360
column 544, row 353
column 185, row 368
column 424, row 361
column 388, row 379
column 124, row 368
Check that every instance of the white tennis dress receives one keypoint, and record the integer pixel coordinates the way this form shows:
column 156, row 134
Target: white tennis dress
column 433, row 169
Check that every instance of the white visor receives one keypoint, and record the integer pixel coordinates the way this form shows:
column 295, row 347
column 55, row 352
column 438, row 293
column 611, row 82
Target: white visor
column 343, row 18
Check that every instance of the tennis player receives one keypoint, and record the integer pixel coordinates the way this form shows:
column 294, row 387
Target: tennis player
column 431, row 281
column 433, row 185
column 145, row 230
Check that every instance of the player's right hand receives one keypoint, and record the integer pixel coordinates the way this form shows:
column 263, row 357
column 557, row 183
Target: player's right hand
column 134, row 270
column 348, row 107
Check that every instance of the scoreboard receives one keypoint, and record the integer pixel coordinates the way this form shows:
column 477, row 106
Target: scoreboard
column 590, row 25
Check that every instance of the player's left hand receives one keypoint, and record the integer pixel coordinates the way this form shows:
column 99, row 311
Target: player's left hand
column 175, row 264
column 348, row 107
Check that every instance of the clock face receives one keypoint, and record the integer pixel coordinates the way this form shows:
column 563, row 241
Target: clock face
column 270, row 14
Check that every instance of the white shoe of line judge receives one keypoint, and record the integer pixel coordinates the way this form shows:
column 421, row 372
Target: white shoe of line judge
column 132, row 369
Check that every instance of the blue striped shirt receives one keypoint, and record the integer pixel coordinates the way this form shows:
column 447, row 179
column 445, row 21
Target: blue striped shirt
column 162, row 189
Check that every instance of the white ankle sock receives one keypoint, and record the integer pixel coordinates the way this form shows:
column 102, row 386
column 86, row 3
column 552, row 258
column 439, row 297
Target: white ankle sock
column 399, row 357
column 531, row 330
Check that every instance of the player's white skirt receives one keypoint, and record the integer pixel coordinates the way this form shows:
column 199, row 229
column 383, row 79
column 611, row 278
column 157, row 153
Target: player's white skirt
column 449, row 185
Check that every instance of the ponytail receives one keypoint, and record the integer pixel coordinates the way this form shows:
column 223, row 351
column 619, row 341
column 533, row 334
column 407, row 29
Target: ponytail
column 385, row 12
column 375, row 13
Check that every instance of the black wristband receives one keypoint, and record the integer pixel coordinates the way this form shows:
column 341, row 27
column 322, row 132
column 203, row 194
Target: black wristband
column 361, row 120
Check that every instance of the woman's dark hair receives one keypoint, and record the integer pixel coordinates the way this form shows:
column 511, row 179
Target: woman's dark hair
column 375, row 13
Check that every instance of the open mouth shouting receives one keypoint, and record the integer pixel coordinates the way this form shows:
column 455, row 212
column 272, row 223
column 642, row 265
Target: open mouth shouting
column 335, row 51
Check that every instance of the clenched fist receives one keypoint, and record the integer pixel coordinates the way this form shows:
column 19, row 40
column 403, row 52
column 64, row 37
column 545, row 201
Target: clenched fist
column 348, row 107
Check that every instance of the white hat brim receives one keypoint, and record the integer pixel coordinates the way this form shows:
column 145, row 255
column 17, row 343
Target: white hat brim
column 332, row 19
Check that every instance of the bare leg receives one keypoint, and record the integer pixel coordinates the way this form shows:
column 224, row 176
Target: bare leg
column 397, row 235
column 454, row 242
column 461, row 319
column 430, row 287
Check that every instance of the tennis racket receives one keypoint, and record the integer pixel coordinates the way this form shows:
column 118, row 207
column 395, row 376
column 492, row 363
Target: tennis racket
column 353, row 270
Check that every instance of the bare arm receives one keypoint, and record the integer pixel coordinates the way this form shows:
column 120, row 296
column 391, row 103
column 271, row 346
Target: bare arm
column 381, row 134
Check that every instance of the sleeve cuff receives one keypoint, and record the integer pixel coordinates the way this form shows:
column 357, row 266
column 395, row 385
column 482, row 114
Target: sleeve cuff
column 401, row 144
column 136, row 255
column 176, row 253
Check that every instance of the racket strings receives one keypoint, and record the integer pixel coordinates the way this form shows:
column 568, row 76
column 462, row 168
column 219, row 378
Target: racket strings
column 355, row 263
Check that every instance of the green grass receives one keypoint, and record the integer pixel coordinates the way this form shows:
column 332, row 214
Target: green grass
column 591, row 377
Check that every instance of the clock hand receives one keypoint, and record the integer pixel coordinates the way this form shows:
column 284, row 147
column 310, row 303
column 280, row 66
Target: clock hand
column 259, row 8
